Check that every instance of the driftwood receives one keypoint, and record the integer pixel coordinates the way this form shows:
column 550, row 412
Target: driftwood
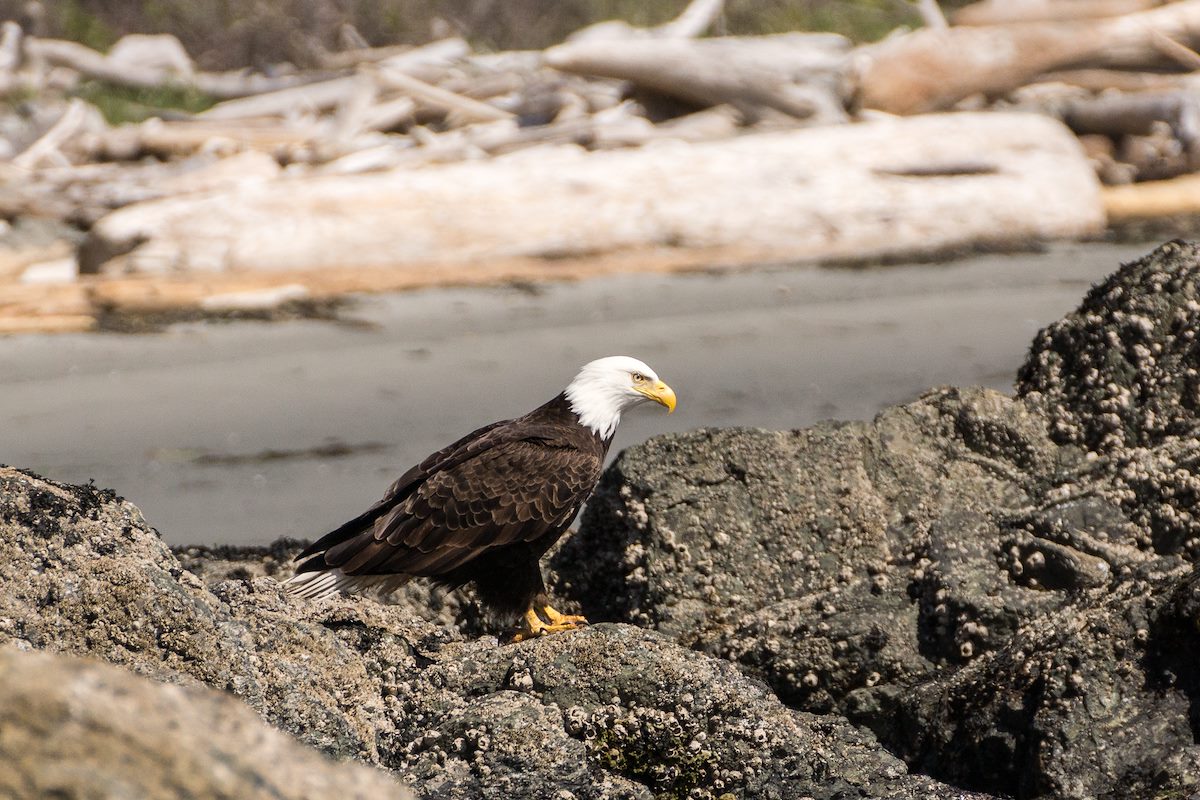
column 1156, row 156
column 931, row 14
column 798, row 74
column 1137, row 114
column 1102, row 80
column 1005, row 12
column 92, row 64
column 623, row 148
column 84, row 193
column 459, row 107
column 1161, row 199
column 47, row 147
column 308, row 98
column 929, row 70
column 10, row 46
column 696, row 18
column 898, row 187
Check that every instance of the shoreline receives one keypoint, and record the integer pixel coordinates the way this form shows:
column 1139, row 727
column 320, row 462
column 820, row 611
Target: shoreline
column 243, row 433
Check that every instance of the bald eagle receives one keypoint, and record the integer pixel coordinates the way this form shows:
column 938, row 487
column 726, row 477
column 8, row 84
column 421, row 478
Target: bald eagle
column 485, row 509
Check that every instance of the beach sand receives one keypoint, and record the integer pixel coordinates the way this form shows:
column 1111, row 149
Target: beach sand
column 243, row 432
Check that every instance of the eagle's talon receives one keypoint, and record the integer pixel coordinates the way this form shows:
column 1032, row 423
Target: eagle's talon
column 535, row 627
column 556, row 618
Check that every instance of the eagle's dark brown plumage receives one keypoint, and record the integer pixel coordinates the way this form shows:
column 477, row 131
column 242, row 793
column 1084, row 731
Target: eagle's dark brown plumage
column 486, row 508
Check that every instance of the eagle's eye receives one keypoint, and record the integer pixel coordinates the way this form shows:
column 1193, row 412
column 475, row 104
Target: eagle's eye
column 638, row 377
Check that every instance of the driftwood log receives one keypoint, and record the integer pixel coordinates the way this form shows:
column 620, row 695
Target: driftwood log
column 1155, row 199
column 92, row 64
column 797, row 74
column 930, row 70
column 1137, row 114
column 1004, row 12
column 881, row 189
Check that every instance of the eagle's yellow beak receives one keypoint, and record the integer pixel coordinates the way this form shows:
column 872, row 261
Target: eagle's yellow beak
column 660, row 393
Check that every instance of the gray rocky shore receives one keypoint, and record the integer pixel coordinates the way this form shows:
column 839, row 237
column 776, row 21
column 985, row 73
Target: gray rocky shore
column 972, row 595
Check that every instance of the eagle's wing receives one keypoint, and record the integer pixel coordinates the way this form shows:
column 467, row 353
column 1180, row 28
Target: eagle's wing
column 470, row 445
column 509, row 491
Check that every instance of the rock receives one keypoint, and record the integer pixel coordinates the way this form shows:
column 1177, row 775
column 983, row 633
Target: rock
column 83, row 573
column 1124, row 369
column 984, row 582
column 608, row 712
column 72, row 728
column 1098, row 695
column 703, row 533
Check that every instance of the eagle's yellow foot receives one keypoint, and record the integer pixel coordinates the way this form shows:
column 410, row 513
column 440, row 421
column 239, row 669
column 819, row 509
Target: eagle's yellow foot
column 556, row 618
column 534, row 625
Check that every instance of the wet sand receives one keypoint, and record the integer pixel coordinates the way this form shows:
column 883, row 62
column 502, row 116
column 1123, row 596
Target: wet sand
column 244, row 432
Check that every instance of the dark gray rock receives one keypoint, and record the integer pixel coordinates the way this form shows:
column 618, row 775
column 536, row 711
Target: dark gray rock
column 1124, row 369
column 608, row 712
column 828, row 560
column 1093, row 700
column 1121, row 376
column 987, row 583
column 74, row 728
column 83, row 573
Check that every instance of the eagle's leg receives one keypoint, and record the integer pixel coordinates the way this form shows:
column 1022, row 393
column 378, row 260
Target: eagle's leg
column 534, row 626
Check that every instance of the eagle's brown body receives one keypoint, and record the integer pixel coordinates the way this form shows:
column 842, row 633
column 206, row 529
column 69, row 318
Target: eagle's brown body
column 483, row 510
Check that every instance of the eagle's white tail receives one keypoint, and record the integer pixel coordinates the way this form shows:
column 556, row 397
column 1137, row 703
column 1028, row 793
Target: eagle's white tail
column 327, row 583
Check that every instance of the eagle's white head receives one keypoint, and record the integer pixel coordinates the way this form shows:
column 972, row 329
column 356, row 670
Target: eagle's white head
column 607, row 386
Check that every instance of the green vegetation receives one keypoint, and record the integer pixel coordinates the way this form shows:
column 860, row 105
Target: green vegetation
column 76, row 22
column 860, row 20
column 221, row 34
column 121, row 104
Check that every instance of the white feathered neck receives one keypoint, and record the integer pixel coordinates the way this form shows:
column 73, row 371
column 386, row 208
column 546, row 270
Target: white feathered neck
column 603, row 389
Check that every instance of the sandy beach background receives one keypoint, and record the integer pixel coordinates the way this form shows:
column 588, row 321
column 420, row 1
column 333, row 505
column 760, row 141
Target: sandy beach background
column 244, row 432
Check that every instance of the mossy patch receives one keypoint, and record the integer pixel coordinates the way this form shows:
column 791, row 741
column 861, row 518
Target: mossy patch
column 121, row 104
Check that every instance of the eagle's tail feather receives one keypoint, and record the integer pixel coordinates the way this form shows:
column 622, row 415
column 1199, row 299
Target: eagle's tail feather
column 326, row 583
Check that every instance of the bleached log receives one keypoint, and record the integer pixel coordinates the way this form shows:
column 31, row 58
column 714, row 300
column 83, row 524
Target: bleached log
column 1154, row 199
column 930, row 70
column 389, row 114
column 183, row 138
column 519, row 61
column 696, row 18
column 349, row 59
column 351, row 117
column 888, row 188
column 324, row 95
column 931, row 14
column 88, row 191
column 1178, row 52
column 312, row 97
column 693, row 21
column 160, row 54
column 47, row 146
column 96, row 65
column 10, row 46
column 463, row 108
column 1005, row 12
column 1136, row 114
column 429, row 59
column 1100, row 80
column 778, row 72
